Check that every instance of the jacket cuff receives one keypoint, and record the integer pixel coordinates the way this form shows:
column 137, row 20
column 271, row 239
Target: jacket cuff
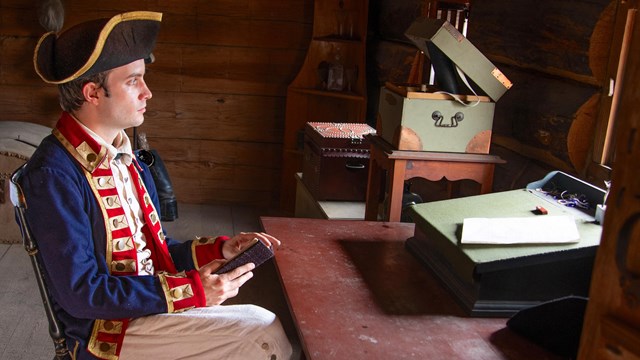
column 183, row 291
column 206, row 249
column 106, row 338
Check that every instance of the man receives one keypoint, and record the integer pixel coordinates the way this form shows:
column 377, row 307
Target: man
column 121, row 288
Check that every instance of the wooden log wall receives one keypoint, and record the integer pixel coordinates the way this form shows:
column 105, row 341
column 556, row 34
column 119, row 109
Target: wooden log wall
column 558, row 52
column 218, row 83
column 555, row 53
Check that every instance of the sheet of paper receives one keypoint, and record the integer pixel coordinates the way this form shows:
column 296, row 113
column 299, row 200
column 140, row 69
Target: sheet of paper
column 520, row 230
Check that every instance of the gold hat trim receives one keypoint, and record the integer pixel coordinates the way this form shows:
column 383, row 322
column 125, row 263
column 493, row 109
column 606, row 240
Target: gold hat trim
column 102, row 38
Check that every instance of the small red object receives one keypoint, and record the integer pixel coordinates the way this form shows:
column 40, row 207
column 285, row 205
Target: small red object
column 541, row 210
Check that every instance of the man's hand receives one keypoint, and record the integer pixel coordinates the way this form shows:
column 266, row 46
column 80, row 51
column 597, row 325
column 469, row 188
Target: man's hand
column 236, row 244
column 218, row 288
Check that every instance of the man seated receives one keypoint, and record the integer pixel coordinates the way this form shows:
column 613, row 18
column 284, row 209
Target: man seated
column 120, row 287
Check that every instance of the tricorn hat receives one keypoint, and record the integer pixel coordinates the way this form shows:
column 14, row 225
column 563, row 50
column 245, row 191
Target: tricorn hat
column 95, row 46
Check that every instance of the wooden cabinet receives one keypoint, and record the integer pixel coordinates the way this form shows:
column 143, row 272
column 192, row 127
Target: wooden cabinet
column 331, row 85
column 611, row 327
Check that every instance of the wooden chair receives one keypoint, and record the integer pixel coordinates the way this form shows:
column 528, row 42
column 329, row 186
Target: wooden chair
column 454, row 11
column 31, row 246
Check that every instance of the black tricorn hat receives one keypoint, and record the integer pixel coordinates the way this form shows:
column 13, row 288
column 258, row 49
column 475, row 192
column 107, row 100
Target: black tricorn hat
column 95, row 46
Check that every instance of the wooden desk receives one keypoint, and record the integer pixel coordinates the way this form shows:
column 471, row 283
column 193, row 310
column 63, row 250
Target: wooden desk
column 499, row 280
column 403, row 165
column 355, row 292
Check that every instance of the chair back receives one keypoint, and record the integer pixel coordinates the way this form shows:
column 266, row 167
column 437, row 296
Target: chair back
column 31, row 246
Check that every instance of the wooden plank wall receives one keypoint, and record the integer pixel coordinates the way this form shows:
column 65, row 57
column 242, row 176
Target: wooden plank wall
column 222, row 69
column 555, row 52
column 219, row 86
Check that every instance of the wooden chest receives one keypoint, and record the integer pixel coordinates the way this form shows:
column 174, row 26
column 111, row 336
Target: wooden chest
column 457, row 114
column 336, row 160
column 423, row 121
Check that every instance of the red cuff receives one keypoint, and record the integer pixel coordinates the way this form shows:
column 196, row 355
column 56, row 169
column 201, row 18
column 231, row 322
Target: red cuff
column 206, row 249
column 183, row 291
column 107, row 337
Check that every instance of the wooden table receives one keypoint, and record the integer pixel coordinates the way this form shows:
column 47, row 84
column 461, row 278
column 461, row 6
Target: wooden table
column 356, row 293
column 403, row 165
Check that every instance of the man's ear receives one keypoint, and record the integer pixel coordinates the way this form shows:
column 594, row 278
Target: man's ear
column 91, row 92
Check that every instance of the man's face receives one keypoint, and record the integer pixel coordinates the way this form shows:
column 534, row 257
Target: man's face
column 128, row 95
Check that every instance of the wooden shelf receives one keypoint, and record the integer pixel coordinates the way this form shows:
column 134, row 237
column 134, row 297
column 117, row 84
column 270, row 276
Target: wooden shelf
column 336, row 94
column 307, row 206
column 338, row 39
column 307, row 97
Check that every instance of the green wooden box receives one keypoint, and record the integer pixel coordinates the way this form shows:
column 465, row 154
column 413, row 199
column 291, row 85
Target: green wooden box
column 499, row 280
column 412, row 119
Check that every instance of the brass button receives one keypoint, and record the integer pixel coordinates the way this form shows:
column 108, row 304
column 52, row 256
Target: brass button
column 108, row 325
column 176, row 293
column 91, row 157
column 104, row 347
column 120, row 267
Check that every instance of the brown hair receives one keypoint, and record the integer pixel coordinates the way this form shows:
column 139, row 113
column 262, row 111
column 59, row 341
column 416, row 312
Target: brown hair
column 71, row 97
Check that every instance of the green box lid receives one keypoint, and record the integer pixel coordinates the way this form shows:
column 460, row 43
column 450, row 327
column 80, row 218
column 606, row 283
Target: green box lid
column 461, row 52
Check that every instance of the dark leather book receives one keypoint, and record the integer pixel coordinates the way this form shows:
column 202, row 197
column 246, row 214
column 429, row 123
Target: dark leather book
column 256, row 253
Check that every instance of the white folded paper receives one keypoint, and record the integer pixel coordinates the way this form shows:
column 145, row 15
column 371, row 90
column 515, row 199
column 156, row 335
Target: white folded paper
column 520, row 230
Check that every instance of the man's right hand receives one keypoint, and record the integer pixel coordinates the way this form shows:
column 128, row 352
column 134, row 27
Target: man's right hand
column 220, row 287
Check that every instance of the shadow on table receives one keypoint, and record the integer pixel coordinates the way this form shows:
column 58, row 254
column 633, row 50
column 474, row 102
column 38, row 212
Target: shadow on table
column 514, row 346
column 398, row 282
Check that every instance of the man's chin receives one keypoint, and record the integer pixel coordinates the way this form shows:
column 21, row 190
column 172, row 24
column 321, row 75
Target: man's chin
column 139, row 121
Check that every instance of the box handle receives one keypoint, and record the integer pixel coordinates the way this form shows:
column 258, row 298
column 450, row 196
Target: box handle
column 455, row 119
column 354, row 166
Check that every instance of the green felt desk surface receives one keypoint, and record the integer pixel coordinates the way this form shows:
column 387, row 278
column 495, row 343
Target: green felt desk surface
column 498, row 280
column 444, row 219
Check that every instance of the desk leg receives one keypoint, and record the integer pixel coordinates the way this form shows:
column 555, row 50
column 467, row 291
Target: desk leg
column 396, row 189
column 453, row 188
column 373, row 190
column 487, row 183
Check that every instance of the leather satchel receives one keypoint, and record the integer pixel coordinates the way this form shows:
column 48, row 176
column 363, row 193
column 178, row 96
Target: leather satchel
column 168, row 202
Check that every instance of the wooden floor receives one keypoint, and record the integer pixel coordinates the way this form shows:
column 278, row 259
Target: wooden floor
column 23, row 324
